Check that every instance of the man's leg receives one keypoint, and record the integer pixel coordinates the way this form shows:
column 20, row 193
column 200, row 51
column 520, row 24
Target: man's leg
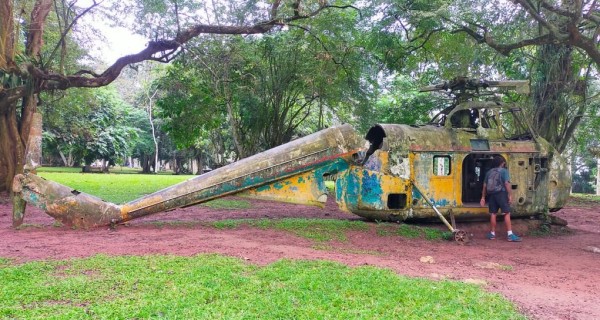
column 492, row 234
column 510, row 235
column 507, row 222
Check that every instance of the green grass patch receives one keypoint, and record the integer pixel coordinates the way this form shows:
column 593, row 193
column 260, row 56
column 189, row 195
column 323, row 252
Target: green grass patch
column 506, row 267
column 322, row 230
column 230, row 204
column 583, row 200
column 314, row 229
column 4, row 262
column 58, row 170
column 229, row 223
column 177, row 224
column 116, row 188
column 216, row 287
column 412, row 231
column 547, row 230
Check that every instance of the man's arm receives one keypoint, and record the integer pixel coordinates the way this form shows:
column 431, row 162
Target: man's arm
column 482, row 201
column 507, row 184
column 508, row 187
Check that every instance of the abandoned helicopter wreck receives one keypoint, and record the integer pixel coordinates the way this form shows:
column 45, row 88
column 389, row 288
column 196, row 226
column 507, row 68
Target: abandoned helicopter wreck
column 396, row 173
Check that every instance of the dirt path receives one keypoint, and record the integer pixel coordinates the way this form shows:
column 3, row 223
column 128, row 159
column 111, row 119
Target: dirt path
column 548, row 278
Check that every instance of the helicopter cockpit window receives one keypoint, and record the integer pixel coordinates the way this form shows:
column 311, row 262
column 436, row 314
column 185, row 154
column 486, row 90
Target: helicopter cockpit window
column 441, row 165
column 375, row 137
column 515, row 126
column 468, row 118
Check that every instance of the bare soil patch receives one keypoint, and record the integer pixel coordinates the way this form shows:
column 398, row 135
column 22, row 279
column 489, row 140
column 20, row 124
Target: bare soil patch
column 549, row 277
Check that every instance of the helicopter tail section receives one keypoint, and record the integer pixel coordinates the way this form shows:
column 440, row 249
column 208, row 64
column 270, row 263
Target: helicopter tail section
column 293, row 172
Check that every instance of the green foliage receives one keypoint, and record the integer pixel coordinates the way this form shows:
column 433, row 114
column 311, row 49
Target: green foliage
column 90, row 125
column 330, row 185
column 187, row 107
column 405, row 104
column 144, row 144
column 583, row 162
column 4, row 262
column 216, row 287
column 265, row 91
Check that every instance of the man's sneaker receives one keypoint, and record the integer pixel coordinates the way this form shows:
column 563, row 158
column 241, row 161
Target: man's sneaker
column 491, row 236
column 514, row 238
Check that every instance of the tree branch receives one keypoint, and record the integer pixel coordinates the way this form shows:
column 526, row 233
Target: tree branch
column 35, row 31
column 558, row 10
column 572, row 34
column 553, row 30
column 67, row 29
column 163, row 50
column 478, row 37
column 505, row 49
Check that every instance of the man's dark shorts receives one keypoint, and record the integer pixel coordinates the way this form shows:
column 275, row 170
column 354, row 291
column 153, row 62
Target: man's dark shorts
column 498, row 201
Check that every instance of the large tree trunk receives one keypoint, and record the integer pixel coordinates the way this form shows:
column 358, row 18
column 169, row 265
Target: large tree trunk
column 12, row 157
column 145, row 163
column 14, row 127
column 28, row 109
column 553, row 81
column 13, row 149
column 200, row 169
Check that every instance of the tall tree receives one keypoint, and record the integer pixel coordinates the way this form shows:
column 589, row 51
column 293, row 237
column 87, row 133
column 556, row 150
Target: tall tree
column 553, row 44
column 265, row 87
column 25, row 72
column 563, row 40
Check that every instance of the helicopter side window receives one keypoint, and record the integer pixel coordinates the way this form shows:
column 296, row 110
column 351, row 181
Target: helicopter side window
column 441, row 165
column 489, row 119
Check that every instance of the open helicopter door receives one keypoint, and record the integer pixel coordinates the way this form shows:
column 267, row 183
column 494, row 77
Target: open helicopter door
column 474, row 168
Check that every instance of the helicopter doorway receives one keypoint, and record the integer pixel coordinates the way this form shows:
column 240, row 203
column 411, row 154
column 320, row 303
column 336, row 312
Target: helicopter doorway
column 474, row 167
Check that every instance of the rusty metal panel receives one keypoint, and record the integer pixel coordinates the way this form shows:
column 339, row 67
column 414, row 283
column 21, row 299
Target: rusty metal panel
column 305, row 188
column 366, row 193
column 65, row 204
column 308, row 153
column 440, row 185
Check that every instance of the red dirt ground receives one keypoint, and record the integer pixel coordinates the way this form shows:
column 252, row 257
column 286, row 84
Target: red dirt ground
column 550, row 277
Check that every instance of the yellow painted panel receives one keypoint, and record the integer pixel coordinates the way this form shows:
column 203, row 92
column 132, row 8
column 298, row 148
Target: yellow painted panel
column 302, row 189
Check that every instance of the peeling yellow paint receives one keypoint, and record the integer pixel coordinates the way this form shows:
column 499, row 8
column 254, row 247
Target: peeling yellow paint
column 303, row 188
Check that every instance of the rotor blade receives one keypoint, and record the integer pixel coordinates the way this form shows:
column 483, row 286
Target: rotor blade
column 521, row 86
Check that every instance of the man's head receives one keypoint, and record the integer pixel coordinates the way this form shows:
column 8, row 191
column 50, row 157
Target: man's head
column 498, row 161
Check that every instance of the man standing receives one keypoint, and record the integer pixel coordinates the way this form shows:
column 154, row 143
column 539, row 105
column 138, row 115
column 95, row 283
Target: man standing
column 497, row 188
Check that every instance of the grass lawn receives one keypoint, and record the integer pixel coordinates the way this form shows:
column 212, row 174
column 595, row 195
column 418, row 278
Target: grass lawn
column 583, row 200
column 113, row 187
column 217, row 287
